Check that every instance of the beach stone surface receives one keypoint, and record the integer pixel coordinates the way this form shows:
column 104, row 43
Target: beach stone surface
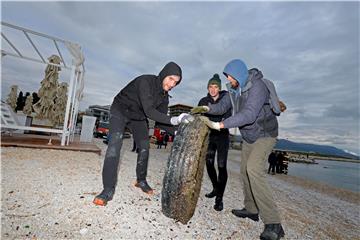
column 47, row 194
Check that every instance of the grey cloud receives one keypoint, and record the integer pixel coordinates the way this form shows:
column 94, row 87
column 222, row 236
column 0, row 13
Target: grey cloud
column 342, row 111
column 309, row 49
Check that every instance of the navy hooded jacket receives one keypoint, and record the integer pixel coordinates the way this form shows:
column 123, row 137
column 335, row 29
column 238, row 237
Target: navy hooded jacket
column 144, row 97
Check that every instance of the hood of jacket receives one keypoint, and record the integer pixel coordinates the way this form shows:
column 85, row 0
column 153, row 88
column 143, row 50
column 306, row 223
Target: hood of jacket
column 170, row 68
column 254, row 74
column 238, row 70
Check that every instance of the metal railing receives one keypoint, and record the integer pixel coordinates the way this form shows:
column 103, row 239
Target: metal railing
column 76, row 79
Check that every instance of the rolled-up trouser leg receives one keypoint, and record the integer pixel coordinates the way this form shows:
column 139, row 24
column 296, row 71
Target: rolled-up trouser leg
column 210, row 158
column 141, row 136
column 260, row 189
column 112, row 156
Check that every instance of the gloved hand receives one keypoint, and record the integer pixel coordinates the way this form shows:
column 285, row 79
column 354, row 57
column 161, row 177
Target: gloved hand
column 210, row 124
column 200, row 109
column 182, row 118
column 282, row 106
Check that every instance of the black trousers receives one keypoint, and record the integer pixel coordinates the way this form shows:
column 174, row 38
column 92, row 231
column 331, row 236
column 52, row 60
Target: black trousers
column 134, row 146
column 140, row 131
column 218, row 143
column 271, row 167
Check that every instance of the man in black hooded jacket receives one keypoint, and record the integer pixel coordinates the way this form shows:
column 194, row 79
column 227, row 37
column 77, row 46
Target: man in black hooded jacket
column 144, row 97
column 218, row 142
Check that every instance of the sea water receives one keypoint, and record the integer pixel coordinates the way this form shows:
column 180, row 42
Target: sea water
column 335, row 173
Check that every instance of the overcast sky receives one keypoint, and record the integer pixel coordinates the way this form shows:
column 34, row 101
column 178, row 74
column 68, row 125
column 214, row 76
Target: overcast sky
column 309, row 49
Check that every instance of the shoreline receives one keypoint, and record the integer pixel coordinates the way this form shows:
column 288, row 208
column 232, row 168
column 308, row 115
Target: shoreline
column 341, row 193
column 337, row 159
column 310, row 156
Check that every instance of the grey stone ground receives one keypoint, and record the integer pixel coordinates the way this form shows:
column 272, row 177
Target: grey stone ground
column 47, row 194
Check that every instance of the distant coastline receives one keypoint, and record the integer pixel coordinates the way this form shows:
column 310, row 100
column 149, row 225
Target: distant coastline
column 315, row 149
column 331, row 158
column 314, row 156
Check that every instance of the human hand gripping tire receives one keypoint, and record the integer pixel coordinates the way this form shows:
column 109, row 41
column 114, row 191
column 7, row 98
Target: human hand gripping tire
column 200, row 109
column 182, row 118
column 210, row 124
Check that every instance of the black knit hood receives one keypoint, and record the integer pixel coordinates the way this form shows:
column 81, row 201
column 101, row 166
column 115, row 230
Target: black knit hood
column 170, row 69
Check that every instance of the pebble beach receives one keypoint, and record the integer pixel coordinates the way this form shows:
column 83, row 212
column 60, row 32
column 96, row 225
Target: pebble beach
column 47, row 194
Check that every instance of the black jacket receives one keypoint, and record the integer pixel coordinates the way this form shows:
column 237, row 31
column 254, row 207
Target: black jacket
column 144, row 96
column 215, row 118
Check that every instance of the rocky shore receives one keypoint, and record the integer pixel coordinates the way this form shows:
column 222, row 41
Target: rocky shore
column 47, row 194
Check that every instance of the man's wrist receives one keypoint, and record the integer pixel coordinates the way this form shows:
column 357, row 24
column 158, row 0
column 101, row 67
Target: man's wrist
column 221, row 125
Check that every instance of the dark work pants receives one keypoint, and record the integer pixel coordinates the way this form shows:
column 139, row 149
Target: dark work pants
column 271, row 167
column 134, row 146
column 140, row 131
column 220, row 144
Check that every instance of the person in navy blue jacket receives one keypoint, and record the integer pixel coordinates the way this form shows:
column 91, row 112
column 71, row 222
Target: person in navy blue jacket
column 144, row 97
column 218, row 142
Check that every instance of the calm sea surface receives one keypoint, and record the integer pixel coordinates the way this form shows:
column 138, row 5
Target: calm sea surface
column 335, row 173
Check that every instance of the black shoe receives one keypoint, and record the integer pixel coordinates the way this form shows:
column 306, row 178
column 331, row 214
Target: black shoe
column 211, row 194
column 272, row 232
column 243, row 213
column 144, row 187
column 105, row 196
column 219, row 205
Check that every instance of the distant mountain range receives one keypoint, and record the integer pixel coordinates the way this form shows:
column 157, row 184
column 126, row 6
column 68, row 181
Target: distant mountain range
column 314, row 148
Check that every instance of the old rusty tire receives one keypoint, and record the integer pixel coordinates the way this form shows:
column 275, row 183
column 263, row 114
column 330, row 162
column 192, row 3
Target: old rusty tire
column 184, row 172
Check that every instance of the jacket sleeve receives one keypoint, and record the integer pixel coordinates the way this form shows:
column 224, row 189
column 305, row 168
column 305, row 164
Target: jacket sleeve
column 252, row 107
column 202, row 102
column 147, row 102
column 163, row 108
column 221, row 107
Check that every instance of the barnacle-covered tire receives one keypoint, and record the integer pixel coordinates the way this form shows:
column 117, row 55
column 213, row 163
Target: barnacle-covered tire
column 184, row 172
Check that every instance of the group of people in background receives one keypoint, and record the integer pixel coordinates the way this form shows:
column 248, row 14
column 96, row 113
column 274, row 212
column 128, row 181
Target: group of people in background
column 245, row 105
column 278, row 163
column 162, row 140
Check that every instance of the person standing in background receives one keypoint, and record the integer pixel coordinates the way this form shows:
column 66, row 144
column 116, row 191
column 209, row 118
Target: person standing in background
column 166, row 139
column 272, row 163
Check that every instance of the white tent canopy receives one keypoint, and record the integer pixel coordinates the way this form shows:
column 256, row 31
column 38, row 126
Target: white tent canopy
column 76, row 82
